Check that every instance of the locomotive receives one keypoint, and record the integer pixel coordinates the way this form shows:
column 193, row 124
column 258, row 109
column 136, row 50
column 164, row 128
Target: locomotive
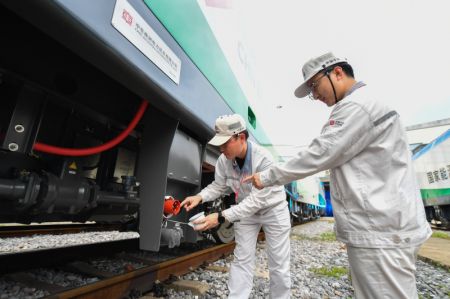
column 106, row 110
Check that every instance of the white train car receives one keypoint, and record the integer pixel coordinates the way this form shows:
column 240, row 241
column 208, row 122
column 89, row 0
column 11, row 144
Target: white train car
column 432, row 165
column 306, row 197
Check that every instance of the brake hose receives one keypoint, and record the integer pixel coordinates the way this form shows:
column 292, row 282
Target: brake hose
column 76, row 152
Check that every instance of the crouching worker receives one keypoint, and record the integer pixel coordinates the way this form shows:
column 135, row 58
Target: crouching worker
column 255, row 208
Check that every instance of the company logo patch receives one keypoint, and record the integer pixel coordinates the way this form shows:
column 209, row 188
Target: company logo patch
column 336, row 123
column 127, row 17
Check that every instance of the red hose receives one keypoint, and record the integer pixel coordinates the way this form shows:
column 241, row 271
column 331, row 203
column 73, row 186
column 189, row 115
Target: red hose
column 63, row 151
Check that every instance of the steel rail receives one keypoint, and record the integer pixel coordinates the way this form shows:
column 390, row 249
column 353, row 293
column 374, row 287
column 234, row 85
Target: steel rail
column 28, row 230
column 142, row 279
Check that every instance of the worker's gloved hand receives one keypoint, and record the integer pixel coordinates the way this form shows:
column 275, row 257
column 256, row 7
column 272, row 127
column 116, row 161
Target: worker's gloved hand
column 255, row 180
column 208, row 222
column 191, row 202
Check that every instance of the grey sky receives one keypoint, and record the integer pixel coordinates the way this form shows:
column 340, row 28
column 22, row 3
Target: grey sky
column 399, row 47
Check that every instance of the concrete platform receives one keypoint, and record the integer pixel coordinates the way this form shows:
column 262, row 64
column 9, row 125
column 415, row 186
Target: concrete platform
column 436, row 250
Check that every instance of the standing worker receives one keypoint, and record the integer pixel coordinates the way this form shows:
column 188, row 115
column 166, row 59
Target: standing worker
column 377, row 206
column 255, row 209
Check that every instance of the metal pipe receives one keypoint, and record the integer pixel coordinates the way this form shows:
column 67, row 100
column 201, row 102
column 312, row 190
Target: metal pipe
column 12, row 189
column 112, row 198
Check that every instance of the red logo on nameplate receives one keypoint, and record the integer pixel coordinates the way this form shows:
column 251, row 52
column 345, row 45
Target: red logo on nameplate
column 331, row 122
column 127, row 17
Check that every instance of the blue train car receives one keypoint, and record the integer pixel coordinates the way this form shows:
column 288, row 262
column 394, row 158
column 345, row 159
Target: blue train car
column 306, row 199
column 106, row 110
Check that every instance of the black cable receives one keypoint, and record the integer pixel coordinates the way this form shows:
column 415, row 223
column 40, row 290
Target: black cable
column 332, row 85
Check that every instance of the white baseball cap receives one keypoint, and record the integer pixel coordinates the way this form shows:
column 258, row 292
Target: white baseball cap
column 314, row 66
column 226, row 127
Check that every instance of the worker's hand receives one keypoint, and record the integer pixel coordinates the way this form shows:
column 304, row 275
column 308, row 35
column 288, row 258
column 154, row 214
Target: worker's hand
column 210, row 221
column 191, row 202
column 255, row 180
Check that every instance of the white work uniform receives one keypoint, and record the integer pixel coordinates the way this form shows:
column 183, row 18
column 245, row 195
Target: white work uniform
column 375, row 196
column 255, row 208
column 383, row 272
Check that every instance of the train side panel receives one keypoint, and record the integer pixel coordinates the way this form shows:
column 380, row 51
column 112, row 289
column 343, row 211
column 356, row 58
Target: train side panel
column 432, row 166
column 70, row 78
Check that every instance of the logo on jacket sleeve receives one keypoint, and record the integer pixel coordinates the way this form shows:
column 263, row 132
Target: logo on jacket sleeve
column 335, row 123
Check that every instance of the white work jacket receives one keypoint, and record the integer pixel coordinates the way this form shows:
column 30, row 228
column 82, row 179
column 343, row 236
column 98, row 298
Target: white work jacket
column 375, row 196
column 228, row 178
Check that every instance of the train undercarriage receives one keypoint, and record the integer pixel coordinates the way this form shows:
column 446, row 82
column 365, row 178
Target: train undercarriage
column 86, row 136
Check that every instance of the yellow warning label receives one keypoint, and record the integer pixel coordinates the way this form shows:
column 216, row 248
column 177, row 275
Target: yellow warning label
column 73, row 166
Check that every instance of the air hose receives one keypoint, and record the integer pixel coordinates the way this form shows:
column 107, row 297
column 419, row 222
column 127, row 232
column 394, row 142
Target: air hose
column 76, row 152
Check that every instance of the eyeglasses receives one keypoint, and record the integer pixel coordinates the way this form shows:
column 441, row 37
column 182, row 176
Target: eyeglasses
column 314, row 85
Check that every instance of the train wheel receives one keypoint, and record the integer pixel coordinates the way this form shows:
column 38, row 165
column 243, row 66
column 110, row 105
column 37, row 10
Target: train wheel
column 224, row 233
column 445, row 223
column 293, row 220
column 300, row 214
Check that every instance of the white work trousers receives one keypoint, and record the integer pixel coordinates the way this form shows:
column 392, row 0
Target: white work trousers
column 383, row 272
column 277, row 226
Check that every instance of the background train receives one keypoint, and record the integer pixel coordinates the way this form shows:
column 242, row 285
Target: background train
column 309, row 198
column 432, row 165
column 106, row 110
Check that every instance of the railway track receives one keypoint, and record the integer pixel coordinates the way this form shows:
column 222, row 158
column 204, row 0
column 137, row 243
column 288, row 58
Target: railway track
column 141, row 280
column 438, row 227
column 52, row 229
column 136, row 276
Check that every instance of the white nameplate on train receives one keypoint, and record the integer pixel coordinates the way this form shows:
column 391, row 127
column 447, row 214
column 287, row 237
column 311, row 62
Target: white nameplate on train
column 131, row 25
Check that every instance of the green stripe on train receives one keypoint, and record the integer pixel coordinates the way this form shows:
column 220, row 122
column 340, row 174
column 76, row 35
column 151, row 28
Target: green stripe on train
column 187, row 24
column 434, row 193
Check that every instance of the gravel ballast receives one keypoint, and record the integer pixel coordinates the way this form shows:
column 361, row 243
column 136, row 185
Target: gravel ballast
column 319, row 269
column 35, row 242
